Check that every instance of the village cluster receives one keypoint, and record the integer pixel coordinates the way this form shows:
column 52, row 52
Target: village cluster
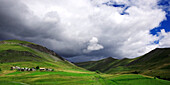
column 30, row 69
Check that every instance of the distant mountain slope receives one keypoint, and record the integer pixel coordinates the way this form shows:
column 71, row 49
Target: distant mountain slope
column 154, row 58
column 154, row 63
column 100, row 65
column 104, row 65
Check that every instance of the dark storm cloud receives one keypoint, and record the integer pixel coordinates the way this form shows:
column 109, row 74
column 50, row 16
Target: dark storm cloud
column 13, row 15
column 15, row 18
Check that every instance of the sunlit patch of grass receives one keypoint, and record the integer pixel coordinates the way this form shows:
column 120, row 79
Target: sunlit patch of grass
column 138, row 80
column 10, row 83
column 14, row 73
column 60, row 73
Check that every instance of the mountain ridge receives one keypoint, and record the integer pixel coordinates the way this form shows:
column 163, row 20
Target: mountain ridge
column 153, row 63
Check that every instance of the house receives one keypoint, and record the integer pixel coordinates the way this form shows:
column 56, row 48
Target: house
column 25, row 69
column 33, row 69
column 12, row 68
column 22, row 69
column 42, row 69
column 19, row 69
column 16, row 67
column 49, row 69
column 29, row 69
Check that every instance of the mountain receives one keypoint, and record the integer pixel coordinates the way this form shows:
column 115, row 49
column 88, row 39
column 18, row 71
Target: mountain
column 154, row 58
column 101, row 65
column 154, row 63
column 105, row 65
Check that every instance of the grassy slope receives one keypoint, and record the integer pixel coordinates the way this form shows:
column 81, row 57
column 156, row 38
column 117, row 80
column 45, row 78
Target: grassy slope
column 12, row 52
column 101, row 65
column 107, row 65
column 119, row 66
column 154, row 63
column 65, row 73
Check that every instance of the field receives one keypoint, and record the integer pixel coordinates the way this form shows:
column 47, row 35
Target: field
column 69, row 75
column 75, row 77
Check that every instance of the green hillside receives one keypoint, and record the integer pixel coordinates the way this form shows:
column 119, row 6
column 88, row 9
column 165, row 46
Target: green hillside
column 101, row 65
column 106, row 65
column 28, row 55
column 154, row 63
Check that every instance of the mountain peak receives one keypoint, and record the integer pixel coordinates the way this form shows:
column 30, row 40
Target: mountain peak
column 110, row 58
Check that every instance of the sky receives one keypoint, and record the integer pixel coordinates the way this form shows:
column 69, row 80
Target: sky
column 88, row 30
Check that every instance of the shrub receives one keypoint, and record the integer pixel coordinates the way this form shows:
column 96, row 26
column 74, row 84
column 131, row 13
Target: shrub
column 52, row 69
column 98, row 72
column 154, row 77
column 37, row 67
column 0, row 69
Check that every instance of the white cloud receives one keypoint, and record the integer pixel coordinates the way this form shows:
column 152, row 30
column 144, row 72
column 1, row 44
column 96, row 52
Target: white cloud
column 66, row 26
column 83, row 19
column 164, row 39
column 93, row 45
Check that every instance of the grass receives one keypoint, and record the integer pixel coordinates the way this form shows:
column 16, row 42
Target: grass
column 75, row 78
column 49, row 78
column 138, row 80
column 62, row 73
column 14, row 73
column 68, row 75
column 14, row 47
column 10, row 83
column 17, row 41
column 118, row 69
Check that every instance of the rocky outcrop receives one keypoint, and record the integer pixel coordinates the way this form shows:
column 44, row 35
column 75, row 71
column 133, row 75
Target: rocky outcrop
column 44, row 49
column 34, row 46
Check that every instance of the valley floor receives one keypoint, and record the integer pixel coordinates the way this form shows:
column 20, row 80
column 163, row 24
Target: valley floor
column 75, row 78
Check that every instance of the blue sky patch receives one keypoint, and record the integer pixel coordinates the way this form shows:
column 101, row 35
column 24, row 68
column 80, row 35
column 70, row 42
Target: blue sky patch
column 165, row 5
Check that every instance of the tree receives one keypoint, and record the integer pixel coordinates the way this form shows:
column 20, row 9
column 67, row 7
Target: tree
column 52, row 69
column 0, row 69
column 37, row 67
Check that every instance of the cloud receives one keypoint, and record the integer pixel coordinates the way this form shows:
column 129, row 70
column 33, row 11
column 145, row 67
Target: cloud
column 84, row 58
column 69, row 26
column 164, row 39
column 93, row 45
